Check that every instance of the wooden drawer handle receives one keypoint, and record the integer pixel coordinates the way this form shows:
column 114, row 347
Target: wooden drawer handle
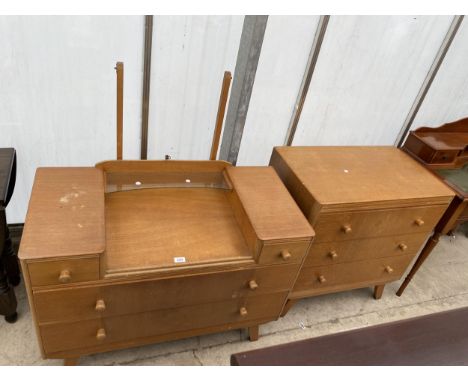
column 322, row 279
column 333, row 254
column 243, row 311
column 388, row 269
column 65, row 276
column 101, row 334
column 253, row 285
column 419, row 222
column 346, row 228
column 286, row 255
column 100, row 306
column 403, row 246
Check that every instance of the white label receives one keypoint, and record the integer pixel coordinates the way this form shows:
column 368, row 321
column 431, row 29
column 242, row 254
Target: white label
column 179, row 259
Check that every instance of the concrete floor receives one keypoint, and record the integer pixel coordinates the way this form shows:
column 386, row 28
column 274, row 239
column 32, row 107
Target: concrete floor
column 441, row 284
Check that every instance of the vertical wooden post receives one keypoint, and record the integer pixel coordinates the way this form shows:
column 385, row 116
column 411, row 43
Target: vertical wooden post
column 146, row 86
column 120, row 76
column 220, row 116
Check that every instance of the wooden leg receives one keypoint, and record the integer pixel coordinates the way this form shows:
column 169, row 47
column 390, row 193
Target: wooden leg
column 71, row 361
column 288, row 306
column 253, row 333
column 7, row 298
column 431, row 243
column 378, row 290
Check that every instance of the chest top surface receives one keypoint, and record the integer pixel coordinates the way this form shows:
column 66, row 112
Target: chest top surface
column 342, row 175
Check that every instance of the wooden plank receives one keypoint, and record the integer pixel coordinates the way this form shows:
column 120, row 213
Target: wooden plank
column 65, row 215
column 220, row 115
column 268, row 204
column 152, row 228
column 434, row 339
column 120, row 77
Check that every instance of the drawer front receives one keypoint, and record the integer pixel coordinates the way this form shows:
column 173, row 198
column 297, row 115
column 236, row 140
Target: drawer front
column 81, row 303
column 56, row 272
column 444, row 156
column 375, row 223
column 84, row 334
column 377, row 271
column 362, row 249
column 281, row 253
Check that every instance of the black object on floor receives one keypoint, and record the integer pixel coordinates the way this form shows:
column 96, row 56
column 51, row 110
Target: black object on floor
column 9, row 269
column 434, row 339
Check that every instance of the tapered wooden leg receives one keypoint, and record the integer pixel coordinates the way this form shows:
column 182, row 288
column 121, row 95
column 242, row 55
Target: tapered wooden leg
column 288, row 306
column 71, row 361
column 378, row 290
column 431, row 243
column 253, row 333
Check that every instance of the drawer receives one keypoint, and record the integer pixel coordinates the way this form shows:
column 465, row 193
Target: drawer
column 84, row 334
column 377, row 271
column 288, row 252
column 55, row 272
column 364, row 249
column 375, row 223
column 445, row 156
column 81, row 303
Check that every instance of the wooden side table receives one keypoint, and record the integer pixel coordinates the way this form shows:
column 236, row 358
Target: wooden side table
column 9, row 270
column 444, row 152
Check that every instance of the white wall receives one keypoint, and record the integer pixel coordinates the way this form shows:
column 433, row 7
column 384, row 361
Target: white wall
column 57, row 85
column 368, row 74
column 283, row 59
column 57, row 92
column 447, row 99
column 189, row 57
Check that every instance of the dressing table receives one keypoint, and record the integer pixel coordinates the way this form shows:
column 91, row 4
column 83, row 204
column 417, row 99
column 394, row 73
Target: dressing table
column 135, row 252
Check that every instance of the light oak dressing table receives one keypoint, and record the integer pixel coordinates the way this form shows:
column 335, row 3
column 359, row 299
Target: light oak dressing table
column 135, row 252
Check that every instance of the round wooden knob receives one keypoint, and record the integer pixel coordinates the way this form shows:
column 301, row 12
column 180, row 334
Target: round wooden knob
column 322, row 279
column 243, row 311
column 65, row 276
column 100, row 306
column 346, row 228
column 101, row 334
column 419, row 222
column 253, row 285
column 388, row 269
column 333, row 254
column 286, row 255
column 403, row 246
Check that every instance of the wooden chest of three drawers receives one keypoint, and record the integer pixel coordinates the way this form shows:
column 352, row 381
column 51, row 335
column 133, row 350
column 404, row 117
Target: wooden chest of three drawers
column 372, row 209
column 136, row 252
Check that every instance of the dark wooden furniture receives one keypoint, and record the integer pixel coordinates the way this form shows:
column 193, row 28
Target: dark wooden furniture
column 135, row 252
column 9, row 270
column 372, row 209
column 444, row 152
column 434, row 339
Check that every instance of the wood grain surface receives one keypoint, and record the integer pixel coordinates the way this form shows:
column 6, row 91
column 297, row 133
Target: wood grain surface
column 65, row 215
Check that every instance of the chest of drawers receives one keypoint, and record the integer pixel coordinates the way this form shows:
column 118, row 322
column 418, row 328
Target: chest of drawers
column 135, row 252
column 372, row 209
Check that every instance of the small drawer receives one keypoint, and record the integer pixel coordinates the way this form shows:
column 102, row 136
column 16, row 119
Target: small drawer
column 101, row 332
column 56, row 272
column 288, row 252
column 364, row 249
column 444, row 156
column 315, row 278
column 350, row 275
column 87, row 302
column 376, row 223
